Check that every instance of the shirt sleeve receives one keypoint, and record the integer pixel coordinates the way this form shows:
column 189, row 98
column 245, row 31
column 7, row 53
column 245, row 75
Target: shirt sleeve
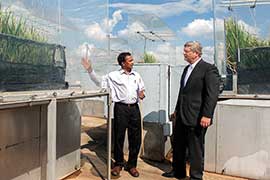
column 141, row 84
column 105, row 82
column 95, row 78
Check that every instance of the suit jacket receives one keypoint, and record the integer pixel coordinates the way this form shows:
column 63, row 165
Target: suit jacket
column 199, row 97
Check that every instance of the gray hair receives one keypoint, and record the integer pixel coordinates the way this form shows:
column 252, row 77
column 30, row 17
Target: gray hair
column 194, row 46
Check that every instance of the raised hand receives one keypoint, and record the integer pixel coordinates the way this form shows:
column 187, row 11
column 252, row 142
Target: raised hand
column 87, row 64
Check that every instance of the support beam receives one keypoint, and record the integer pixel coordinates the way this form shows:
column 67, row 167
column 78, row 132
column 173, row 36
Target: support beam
column 51, row 141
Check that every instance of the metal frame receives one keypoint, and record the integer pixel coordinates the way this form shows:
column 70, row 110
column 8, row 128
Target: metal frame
column 24, row 99
column 237, row 3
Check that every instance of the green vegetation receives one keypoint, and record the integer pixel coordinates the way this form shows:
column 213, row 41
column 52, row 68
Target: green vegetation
column 238, row 37
column 21, row 42
column 255, row 58
column 149, row 58
column 12, row 25
column 16, row 50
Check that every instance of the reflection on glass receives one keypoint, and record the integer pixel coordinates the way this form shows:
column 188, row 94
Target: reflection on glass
column 26, row 58
column 41, row 42
column 245, row 35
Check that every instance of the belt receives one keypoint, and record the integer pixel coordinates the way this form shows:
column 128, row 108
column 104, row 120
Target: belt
column 128, row 105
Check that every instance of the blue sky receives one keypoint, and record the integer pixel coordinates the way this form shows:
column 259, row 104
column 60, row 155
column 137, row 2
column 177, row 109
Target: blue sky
column 79, row 22
column 193, row 19
column 176, row 15
column 84, row 21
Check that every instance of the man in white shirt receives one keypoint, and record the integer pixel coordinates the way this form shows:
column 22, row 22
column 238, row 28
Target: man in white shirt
column 127, row 88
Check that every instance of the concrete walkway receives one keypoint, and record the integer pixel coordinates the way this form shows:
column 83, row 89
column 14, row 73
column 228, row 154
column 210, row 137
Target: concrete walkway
column 93, row 158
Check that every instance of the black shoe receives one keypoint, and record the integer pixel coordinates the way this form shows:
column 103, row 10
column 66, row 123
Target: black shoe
column 173, row 174
column 170, row 174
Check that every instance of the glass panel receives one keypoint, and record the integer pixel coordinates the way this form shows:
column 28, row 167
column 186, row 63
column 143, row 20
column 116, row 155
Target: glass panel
column 151, row 39
column 42, row 42
column 241, row 36
column 29, row 33
column 46, row 39
column 85, row 35
column 254, row 71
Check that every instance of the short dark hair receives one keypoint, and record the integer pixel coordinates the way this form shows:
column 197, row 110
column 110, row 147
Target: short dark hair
column 122, row 57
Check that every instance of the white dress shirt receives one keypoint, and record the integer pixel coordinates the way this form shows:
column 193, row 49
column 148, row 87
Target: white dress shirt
column 189, row 71
column 124, row 87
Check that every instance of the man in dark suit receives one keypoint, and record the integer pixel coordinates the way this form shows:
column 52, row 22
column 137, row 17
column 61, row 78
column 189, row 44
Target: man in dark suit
column 195, row 107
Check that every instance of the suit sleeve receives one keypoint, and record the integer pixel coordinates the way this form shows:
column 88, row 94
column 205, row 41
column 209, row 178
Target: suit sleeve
column 177, row 107
column 211, row 80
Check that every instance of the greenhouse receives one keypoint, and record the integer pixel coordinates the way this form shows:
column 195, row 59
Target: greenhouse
column 57, row 120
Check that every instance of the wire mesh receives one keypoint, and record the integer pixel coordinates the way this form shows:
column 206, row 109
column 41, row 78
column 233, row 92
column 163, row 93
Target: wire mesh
column 239, row 25
column 34, row 33
column 253, row 71
column 31, row 65
column 148, row 35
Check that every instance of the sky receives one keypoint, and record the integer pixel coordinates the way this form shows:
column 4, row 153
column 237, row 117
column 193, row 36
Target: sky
column 184, row 20
column 84, row 22
column 82, row 25
column 181, row 17
column 193, row 19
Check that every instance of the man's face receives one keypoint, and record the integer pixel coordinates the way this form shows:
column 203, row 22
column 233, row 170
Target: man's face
column 189, row 55
column 128, row 63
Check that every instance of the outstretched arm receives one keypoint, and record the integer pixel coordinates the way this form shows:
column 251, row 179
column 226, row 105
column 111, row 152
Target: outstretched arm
column 86, row 63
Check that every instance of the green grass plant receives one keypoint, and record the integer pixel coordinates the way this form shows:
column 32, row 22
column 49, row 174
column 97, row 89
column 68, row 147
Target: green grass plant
column 12, row 25
column 21, row 42
column 149, row 58
column 237, row 37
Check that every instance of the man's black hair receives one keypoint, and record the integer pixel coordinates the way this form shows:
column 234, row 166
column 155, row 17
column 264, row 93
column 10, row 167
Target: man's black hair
column 122, row 57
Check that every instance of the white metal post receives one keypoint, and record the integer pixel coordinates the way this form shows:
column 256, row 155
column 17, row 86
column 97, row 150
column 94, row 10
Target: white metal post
column 109, row 135
column 51, row 141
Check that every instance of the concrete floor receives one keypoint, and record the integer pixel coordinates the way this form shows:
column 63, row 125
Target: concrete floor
column 93, row 158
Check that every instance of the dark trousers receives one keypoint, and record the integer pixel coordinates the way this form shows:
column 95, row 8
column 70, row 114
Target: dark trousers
column 193, row 139
column 127, row 118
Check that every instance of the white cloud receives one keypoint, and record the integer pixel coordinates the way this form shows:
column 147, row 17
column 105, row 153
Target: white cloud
column 166, row 9
column 95, row 31
column 179, row 55
column 198, row 28
column 208, row 54
column 116, row 17
column 98, row 31
column 164, row 53
column 204, row 28
column 123, row 32
column 251, row 29
column 131, row 29
column 219, row 25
